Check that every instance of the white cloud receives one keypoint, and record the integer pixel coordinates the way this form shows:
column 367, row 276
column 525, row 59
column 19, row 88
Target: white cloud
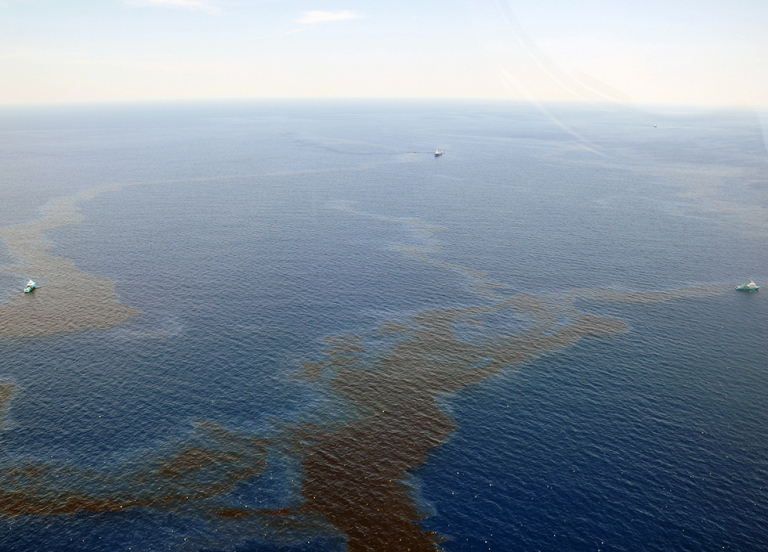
column 198, row 5
column 315, row 17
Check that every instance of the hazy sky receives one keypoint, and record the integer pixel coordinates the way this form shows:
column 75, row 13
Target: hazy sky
column 672, row 51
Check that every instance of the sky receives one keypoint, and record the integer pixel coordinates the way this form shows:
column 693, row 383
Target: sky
column 679, row 52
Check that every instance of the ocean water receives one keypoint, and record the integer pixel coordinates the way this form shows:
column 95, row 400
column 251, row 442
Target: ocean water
column 288, row 326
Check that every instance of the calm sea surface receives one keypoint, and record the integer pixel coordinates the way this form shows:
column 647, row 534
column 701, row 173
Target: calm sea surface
column 323, row 337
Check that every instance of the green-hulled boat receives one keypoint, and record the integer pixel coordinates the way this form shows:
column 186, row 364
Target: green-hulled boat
column 30, row 286
column 751, row 286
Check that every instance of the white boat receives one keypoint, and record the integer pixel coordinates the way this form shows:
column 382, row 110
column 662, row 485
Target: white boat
column 751, row 286
column 30, row 286
column 438, row 153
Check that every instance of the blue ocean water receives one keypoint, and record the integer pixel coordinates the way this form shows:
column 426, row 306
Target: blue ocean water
column 258, row 237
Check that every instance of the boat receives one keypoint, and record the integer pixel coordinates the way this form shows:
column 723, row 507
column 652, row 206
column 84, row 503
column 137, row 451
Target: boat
column 30, row 286
column 751, row 286
column 438, row 153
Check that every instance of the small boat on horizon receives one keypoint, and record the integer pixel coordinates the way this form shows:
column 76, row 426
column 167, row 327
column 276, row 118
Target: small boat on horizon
column 751, row 286
column 438, row 153
column 30, row 286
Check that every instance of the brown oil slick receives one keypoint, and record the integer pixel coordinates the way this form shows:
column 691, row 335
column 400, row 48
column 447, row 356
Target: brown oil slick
column 188, row 473
column 68, row 298
column 6, row 393
column 353, row 473
column 354, row 476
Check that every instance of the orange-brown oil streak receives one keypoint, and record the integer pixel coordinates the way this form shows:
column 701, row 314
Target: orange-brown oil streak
column 354, row 476
column 164, row 482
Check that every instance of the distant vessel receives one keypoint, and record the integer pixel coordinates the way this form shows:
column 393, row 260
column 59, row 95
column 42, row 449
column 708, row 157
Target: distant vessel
column 751, row 286
column 438, row 153
column 30, row 286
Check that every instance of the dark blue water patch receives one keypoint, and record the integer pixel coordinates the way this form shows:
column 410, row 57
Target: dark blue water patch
column 651, row 439
column 143, row 530
column 101, row 399
column 312, row 545
column 254, row 248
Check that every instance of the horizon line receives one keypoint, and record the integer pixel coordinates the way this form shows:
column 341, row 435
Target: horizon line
column 380, row 99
